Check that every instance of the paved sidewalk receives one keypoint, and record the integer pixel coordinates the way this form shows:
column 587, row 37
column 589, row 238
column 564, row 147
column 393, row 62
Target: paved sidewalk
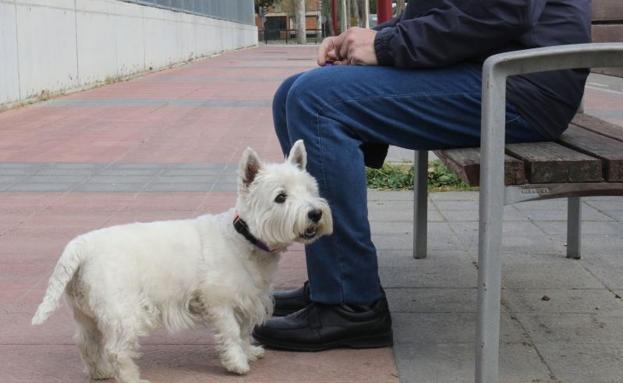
column 166, row 145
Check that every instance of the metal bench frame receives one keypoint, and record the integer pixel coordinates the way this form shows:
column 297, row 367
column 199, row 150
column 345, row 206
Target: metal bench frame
column 494, row 194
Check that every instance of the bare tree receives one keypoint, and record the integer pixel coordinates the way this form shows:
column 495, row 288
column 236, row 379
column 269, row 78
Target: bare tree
column 344, row 19
column 301, row 31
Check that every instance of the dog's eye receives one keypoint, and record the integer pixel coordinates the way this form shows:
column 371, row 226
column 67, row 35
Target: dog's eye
column 281, row 198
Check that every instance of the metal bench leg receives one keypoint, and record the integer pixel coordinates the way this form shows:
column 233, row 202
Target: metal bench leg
column 420, row 204
column 489, row 286
column 574, row 227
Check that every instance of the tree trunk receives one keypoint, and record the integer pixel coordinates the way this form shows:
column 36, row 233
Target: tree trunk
column 344, row 19
column 355, row 12
column 301, row 31
column 328, row 17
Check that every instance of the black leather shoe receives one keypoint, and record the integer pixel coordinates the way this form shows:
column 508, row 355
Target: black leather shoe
column 290, row 301
column 320, row 327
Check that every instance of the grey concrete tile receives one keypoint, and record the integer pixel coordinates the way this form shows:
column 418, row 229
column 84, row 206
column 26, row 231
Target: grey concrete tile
column 559, row 228
column 54, row 171
column 435, row 229
column 447, row 205
column 19, row 171
column 120, row 179
column 536, row 271
column 19, row 165
column 455, row 196
column 607, row 269
column 560, row 214
column 40, row 187
column 178, row 172
column 432, row 300
column 116, row 172
column 68, row 179
column 185, row 187
column 156, row 166
column 615, row 214
column 383, row 195
column 601, row 244
column 431, row 328
column 204, row 166
column 573, row 328
column 186, row 179
column 583, row 363
column 399, row 213
column 110, row 187
column 586, row 301
column 454, row 363
column 224, row 187
column 517, row 235
column 73, row 165
column 10, row 179
column 550, row 204
column 431, row 272
column 391, row 241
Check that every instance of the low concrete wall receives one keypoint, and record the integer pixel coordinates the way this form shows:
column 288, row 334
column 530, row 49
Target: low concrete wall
column 58, row 45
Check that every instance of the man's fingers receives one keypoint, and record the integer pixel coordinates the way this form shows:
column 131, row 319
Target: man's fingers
column 326, row 47
column 344, row 48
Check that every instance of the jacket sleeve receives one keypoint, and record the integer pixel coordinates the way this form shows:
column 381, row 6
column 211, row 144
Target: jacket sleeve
column 389, row 23
column 455, row 31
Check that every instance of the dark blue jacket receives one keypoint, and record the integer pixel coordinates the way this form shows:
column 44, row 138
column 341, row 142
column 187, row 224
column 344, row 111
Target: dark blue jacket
column 436, row 33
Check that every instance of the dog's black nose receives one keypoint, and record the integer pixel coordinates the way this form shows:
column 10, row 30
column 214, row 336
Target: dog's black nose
column 315, row 215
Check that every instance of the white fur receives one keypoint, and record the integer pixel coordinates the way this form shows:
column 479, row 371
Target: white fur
column 124, row 281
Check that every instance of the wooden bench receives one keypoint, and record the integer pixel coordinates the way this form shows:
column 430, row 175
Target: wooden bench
column 587, row 160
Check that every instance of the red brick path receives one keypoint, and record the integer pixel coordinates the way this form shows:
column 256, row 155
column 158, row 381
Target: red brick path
column 162, row 124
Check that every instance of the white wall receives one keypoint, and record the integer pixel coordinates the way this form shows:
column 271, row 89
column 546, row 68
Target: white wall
column 57, row 45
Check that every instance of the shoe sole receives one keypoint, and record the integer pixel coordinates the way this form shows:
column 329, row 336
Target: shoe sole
column 377, row 341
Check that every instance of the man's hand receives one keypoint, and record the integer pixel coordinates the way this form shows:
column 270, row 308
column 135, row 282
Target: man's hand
column 355, row 47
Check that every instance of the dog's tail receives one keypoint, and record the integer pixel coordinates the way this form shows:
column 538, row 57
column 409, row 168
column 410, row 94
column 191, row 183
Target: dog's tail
column 64, row 271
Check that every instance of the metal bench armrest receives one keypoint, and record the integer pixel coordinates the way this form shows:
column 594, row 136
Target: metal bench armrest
column 495, row 71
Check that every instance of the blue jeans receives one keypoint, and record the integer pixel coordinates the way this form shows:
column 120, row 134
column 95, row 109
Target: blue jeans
column 335, row 109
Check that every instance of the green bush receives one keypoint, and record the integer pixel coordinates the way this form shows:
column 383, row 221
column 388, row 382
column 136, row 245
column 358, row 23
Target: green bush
column 400, row 177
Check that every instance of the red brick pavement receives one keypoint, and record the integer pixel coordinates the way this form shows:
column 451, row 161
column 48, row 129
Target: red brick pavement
column 35, row 226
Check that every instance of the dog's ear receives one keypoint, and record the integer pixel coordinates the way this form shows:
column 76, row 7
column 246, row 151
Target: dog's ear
column 298, row 155
column 250, row 165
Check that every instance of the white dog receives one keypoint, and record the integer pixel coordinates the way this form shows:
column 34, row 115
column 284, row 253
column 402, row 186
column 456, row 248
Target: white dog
column 217, row 270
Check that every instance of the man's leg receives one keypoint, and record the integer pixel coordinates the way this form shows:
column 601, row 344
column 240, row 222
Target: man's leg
column 336, row 109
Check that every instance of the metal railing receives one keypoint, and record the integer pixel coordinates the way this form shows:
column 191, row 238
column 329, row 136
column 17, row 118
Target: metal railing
column 240, row 11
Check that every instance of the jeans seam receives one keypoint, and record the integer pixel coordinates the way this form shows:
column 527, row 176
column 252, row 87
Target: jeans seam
column 326, row 183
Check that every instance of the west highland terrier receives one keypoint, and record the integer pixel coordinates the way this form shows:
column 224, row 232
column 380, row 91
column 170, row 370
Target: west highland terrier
column 216, row 270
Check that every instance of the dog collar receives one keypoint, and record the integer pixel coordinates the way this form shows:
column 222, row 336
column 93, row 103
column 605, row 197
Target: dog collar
column 241, row 227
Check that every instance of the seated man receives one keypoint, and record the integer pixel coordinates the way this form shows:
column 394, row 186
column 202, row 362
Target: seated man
column 414, row 82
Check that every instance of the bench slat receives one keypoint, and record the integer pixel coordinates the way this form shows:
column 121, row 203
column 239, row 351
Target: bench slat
column 598, row 125
column 466, row 164
column 604, row 34
column 607, row 10
column 549, row 162
column 608, row 149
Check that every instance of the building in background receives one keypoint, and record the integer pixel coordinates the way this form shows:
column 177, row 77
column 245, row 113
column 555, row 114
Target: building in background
column 277, row 22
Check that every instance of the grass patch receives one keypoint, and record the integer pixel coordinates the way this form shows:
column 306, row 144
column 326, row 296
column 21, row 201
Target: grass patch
column 400, row 177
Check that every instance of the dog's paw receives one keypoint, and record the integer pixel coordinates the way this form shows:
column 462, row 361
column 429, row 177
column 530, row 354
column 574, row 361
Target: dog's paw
column 255, row 352
column 239, row 367
column 102, row 375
